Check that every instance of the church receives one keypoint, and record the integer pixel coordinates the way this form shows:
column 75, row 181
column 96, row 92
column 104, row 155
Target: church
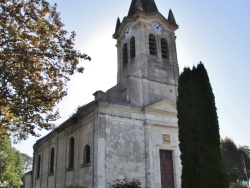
column 131, row 129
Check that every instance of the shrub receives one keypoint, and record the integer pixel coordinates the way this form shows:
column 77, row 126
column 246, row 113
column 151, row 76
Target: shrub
column 237, row 185
column 125, row 183
column 73, row 186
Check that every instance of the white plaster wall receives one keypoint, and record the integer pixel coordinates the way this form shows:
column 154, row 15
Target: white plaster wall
column 133, row 140
column 125, row 149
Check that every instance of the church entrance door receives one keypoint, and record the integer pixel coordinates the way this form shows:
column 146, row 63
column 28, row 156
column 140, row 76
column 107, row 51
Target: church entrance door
column 167, row 175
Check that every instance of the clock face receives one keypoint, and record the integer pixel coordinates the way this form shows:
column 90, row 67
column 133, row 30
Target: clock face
column 157, row 28
column 128, row 32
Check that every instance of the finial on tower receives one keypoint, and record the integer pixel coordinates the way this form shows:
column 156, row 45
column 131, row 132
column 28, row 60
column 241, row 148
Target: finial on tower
column 171, row 18
column 118, row 23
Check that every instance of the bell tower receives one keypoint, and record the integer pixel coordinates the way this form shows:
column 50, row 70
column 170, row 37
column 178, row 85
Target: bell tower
column 147, row 59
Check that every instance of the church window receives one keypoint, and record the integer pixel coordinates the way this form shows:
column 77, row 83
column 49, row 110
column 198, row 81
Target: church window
column 86, row 155
column 132, row 48
column 152, row 45
column 52, row 156
column 125, row 53
column 71, row 152
column 38, row 166
column 164, row 49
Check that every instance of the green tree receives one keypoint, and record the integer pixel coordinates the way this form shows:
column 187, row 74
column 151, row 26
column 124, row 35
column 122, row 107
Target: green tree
column 245, row 155
column 10, row 165
column 237, row 185
column 27, row 162
column 37, row 57
column 232, row 159
column 199, row 132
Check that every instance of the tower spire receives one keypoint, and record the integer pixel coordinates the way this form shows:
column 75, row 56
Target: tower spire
column 142, row 5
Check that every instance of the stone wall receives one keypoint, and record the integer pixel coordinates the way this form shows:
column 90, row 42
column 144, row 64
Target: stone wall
column 81, row 129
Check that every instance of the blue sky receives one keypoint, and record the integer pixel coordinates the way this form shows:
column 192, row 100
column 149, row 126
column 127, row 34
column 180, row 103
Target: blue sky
column 215, row 32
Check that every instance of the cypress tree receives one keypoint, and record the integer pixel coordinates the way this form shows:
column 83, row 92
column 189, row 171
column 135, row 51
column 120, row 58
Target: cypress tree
column 199, row 132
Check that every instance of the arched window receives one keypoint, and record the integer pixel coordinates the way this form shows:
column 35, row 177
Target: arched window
column 164, row 49
column 38, row 166
column 86, row 155
column 51, row 165
column 71, row 152
column 125, row 53
column 132, row 48
column 152, row 45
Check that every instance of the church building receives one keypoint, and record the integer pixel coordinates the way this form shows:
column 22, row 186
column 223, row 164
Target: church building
column 131, row 129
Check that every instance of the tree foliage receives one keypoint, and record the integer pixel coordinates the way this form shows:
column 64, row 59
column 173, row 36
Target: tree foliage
column 27, row 162
column 37, row 57
column 199, row 132
column 237, row 185
column 10, row 165
column 245, row 154
column 233, row 159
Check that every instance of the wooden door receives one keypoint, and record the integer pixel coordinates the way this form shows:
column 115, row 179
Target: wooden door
column 167, row 174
